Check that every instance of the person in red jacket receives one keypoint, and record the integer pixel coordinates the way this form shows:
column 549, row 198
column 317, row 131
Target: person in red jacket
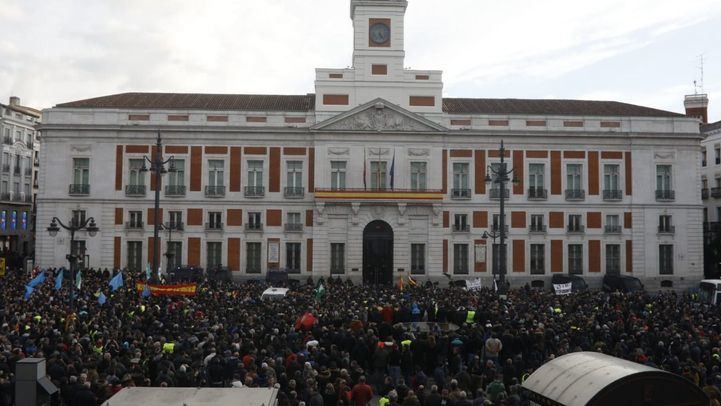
column 361, row 394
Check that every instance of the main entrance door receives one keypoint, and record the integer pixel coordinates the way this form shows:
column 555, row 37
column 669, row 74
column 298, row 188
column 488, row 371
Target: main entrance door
column 378, row 253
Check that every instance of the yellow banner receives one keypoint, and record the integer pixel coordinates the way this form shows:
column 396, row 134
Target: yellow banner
column 184, row 289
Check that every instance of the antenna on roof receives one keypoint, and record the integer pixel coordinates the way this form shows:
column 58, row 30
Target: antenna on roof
column 698, row 85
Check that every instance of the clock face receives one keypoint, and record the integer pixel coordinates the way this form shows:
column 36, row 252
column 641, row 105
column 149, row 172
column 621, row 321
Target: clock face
column 380, row 33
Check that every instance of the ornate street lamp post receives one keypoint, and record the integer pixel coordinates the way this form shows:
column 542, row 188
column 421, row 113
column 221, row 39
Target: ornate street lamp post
column 157, row 167
column 87, row 225
column 500, row 175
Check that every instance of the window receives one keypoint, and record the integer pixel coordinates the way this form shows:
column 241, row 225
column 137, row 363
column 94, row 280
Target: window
column 612, row 223
column 575, row 258
column 337, row 175
column 293, row 218
column 175, row 220
column 663, row 177
column 717, row 154
column 177, row 178
column 418, row 176
column 4, row 187
column 378, row 174
column 611, row 177
column 135, row 256
column 215, row 220
column 215, row 254
column 175, row 248
column 538, row 261
column 81, row 171
column 418, row 259
column 252, row 257
column 703, row 157
column 705, row 212
column 537, row 223
column 255, row 173
column 536, row 189
column 460, row 222
column 574, row 223
column 496, row 225
column 337, row 258
column 460, row 180
column 215, row 172
column 293, row 222
column 254, row 222
column 78, row 217
column 664, row 224
column 573, row 177
column 295, row 174
column 460, row 259
column 26, row 190
column 136, row 176
column 613, row 259
column 665, row 259
column 292, row 257
column 136, row 219
column 16, row 189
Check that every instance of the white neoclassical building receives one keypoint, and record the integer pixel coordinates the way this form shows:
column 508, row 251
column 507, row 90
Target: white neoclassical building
column 377, row 175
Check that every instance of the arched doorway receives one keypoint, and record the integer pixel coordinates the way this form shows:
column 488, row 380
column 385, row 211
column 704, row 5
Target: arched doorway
column 378, row 253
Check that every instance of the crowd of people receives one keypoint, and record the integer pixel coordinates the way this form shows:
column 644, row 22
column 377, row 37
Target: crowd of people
column 346, row 346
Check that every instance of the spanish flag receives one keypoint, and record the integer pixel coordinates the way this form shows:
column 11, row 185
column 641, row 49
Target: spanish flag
column 412, row 281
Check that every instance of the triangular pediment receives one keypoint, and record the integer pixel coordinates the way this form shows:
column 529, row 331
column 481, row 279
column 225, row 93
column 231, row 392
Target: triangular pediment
column 379, row 115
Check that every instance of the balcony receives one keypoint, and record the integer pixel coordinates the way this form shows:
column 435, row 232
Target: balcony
column 718, row 160
column 214, row 191
column 537, row 228
column 254, row 191
column 214, row 226
column 575, row 194
column 575, row 228
column 175, row 190
column 537, row 193
column 716, row 192
column 461, row 228
column 612, row 229
column 36, row 161
column 390, row 195
column 17, row 197
column 293, row 227
column 666, row 229
column 460, row 194
column 134, row 225
column 27, row 197
column 79, row 189
column 612, row 195
column 496, row 228
column 28, row 171
column 495, row 193
column 294, row 192
column 704, row 193
column 7, row 141
column 134, row 190
column 175, row 226
column 6, row 168
column 5, row 196
column 29, row 144
column 253, row 226
column 16, row 170
column 665, row 195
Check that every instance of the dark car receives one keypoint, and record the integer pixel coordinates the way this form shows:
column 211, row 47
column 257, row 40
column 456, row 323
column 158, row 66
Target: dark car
column 578, row 284
column 622, row 283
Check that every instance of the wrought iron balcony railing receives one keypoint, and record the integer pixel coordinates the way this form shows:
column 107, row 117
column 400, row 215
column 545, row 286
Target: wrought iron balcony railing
column 134, row 190
column 254, row 191
column 612, row 194
column 175, row 190
column 575, row 194
column 215, row 191
column 537, row 193
column 78, row 189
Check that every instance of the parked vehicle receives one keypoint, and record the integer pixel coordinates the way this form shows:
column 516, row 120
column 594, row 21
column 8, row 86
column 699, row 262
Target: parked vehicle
column 622, row 283
column 578, row 284
column 710, row 291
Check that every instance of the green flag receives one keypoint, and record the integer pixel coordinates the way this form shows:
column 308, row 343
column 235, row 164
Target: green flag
column 319, row 292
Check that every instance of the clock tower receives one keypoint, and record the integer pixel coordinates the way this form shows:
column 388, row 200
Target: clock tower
column 378, row 69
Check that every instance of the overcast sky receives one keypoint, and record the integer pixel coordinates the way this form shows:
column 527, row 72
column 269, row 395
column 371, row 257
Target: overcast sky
column 639, row 51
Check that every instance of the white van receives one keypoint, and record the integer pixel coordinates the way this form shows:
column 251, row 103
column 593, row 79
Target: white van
column 274, row 293
column 710, row 291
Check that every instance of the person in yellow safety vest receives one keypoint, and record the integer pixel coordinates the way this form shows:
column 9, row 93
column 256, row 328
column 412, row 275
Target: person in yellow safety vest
column 169, row 347
column 406, row 343
column 470, row 316
column 383, row 401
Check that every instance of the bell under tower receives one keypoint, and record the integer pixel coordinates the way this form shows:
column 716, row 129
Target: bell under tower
column 378, row 69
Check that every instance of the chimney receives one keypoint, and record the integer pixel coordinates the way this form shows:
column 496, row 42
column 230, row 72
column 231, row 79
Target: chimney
column 14, row 101
column 697, row 106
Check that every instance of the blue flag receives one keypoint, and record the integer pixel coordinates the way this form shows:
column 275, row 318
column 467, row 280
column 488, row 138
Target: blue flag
column 28, row 291
column 37, row 280
column 59, row 279
column 78, row 280
column 102, row 299
column 146, row 291
column 117, row 281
